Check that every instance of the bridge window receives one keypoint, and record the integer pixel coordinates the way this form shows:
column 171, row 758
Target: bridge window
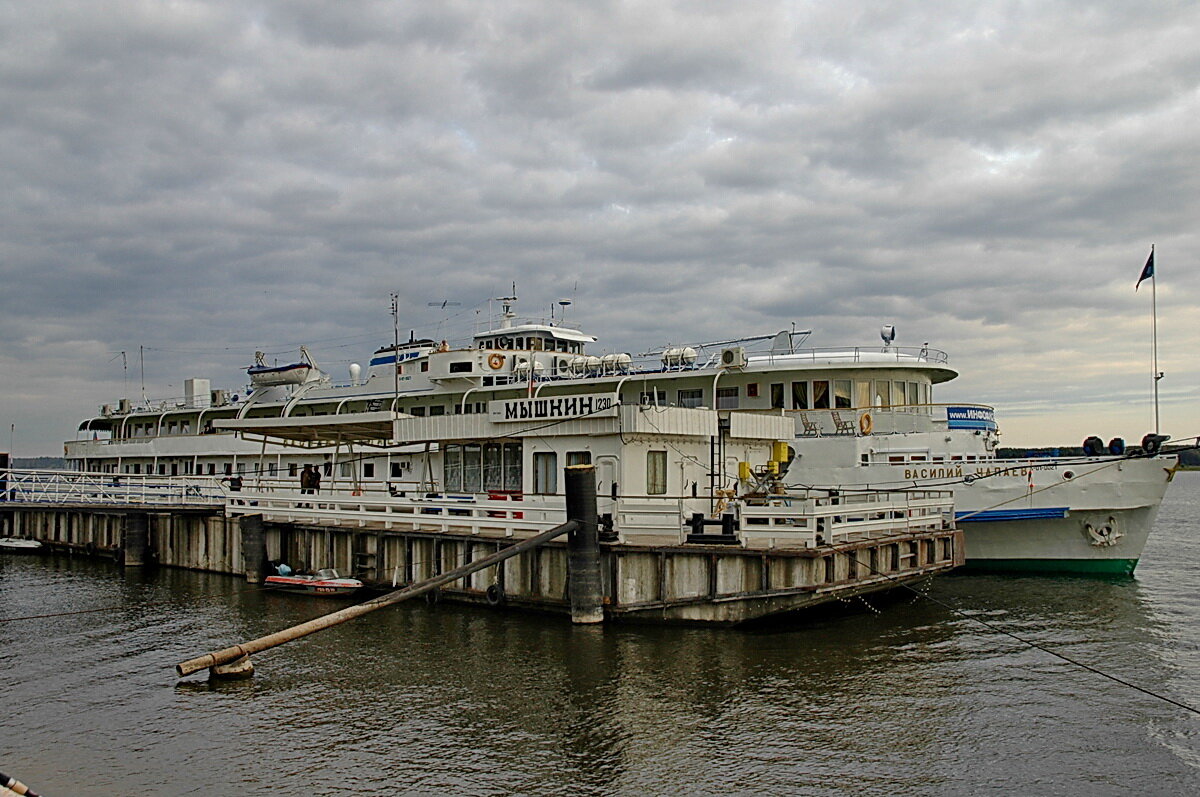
column 862, row 393
column 881, row 394
column 799, row 395
column 841, row 394
column 727, row 398
column 691, row 398
column 777, row 396
column 512, row 467
column 820, row 394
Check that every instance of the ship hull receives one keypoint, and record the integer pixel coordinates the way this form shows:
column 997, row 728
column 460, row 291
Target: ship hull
column 1085, row 516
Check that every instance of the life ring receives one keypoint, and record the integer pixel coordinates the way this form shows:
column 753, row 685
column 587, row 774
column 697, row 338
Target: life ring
column 865, row 423
column 496, row 361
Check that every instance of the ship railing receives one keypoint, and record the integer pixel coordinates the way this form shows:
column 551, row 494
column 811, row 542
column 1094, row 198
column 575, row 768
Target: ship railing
column 73, row 487
column 395, row 507
column 876, row 420
column 791, row 520
column 810, row 520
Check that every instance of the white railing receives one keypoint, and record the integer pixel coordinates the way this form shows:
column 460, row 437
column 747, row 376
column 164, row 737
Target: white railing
column 68, row 487
column 793, row 520
column 394, row 507
column 808, row 521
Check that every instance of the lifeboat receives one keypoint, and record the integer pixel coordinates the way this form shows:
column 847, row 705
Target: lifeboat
column 263, row 375
column 326, row 583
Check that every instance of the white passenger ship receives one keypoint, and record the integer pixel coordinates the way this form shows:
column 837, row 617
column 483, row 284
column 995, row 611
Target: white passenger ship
column 864, row 418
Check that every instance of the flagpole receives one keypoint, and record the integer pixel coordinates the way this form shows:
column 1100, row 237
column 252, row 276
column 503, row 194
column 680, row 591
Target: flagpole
column 1154, row 337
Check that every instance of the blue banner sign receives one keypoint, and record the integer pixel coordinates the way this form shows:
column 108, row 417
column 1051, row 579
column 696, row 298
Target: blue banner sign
column 971, row 418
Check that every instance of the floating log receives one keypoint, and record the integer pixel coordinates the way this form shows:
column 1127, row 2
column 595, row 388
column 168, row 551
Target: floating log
column 223, row 657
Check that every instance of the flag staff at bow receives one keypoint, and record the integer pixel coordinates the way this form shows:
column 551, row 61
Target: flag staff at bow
column 1148, row 274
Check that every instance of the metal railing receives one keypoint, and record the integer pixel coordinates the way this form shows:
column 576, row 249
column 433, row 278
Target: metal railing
column 791, row 520
column 68, row 487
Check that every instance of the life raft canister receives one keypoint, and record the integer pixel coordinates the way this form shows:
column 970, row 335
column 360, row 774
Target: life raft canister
column 496, row 361
column 866, row 423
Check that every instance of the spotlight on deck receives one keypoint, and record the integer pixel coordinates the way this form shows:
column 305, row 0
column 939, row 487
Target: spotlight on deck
column 888, row 333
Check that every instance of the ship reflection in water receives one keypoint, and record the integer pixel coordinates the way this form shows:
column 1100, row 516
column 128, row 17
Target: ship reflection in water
column 450, row 699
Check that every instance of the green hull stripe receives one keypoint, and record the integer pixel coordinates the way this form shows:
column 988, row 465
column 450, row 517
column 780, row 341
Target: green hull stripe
column 1109, row 567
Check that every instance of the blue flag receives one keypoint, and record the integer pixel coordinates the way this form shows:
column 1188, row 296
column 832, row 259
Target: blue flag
column 1147, row 270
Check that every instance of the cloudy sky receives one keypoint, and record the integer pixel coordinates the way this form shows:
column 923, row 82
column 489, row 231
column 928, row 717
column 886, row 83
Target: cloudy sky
column 203, row 179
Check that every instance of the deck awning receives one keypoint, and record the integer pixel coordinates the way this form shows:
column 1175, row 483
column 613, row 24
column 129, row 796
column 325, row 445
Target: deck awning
column 359, row 427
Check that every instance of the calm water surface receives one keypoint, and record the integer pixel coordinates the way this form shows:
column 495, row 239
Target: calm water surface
column 449, row 700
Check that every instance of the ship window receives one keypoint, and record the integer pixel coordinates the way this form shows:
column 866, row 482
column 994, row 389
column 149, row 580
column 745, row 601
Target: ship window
column 897, row 394
column 228, row 468
column 913, row 395
column 545, row 472
column 521, row 343
column 472, row 472
column 752, row 390
column 424, row 366
column 328, row 468
column 493, row 467
column 656, row 472
column 452, row 468
column 137, row 468
column 513, row 470
column 841, row 394
column 417, row 411
column 820, row 394
column 174, row 468
column 292, row 469
column 777, row 396
column 799, row 395
column 437, row 409
column 727, row 398
column 925, row 394
column 368, row 470
column 653, row 397
column 862, row 393
column 579, row 458
column 535, row 344
column 562, row 345
column 461, row 367
column 881, row 394
column 395, row 470
column 691, row 398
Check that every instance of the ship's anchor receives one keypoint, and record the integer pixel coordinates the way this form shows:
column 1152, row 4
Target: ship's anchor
column 1105, row 535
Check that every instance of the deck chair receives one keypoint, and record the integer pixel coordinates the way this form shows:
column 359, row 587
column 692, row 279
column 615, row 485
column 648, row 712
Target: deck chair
column 843, row 426
column 811, row 427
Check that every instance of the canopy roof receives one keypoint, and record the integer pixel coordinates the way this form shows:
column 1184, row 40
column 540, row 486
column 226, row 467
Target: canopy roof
column 359, row 427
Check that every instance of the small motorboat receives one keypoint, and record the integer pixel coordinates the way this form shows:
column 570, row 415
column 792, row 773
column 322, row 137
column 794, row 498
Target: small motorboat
column 326, row 583
column 17, row 545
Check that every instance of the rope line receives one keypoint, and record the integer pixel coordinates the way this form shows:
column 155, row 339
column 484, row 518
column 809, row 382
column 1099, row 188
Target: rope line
column 1035, row 645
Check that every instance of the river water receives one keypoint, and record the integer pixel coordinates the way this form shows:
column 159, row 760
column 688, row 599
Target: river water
column 456, row 700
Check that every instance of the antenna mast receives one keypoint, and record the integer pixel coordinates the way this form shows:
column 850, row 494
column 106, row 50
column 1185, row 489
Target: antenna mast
column 395, row 350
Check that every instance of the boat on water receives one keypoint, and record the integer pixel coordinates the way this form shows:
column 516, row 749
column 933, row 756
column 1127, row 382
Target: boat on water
column 861, row 419
column 324, row 583
column 20, row 546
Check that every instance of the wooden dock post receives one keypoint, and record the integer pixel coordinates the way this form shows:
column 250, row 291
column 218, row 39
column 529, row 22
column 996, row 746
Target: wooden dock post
column 135, row 539
column 254, row 547
column 583, row 546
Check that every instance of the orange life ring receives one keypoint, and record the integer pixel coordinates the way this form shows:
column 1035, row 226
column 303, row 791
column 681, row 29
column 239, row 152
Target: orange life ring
column 496, row 361
column 865, row 423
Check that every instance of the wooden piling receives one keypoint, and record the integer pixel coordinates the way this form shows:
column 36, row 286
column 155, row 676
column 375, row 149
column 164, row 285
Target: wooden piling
column 135, row 539
column 583, row 546
column 254, row 548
